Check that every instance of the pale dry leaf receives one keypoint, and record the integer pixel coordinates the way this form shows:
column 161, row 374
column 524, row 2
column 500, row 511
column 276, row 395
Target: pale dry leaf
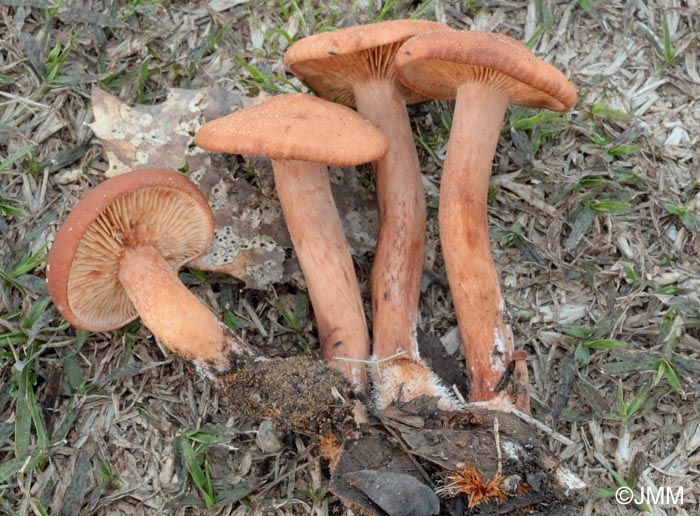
column 250, row 235
column 159, row 135
column 251, row 238
column 225, row 5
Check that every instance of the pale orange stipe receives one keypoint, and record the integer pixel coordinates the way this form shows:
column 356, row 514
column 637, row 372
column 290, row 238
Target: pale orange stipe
column 484, row 73
column 302, row 134
column 355, row 66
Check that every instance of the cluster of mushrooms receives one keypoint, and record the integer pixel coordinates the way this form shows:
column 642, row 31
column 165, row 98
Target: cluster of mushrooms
column 117, row 255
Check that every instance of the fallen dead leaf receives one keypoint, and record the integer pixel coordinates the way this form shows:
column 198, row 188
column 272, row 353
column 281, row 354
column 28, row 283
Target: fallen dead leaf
column 397, row 494
column 159, row 135
column 372, row 466
column 251, row 238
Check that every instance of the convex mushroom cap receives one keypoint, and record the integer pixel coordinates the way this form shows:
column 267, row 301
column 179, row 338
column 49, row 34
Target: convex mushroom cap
column 157, row 208
column 333, row 63
column 296, row 127
column 436, row 64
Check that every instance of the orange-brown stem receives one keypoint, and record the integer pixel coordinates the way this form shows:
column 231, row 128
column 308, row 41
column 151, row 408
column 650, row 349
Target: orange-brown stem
column 398, row 261
column 176, row 316
column 471, row 273
column 314, row 224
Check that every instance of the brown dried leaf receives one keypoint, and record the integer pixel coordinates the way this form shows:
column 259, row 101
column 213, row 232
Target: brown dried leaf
column 373, row 452
column 475, row 443
column 397, row 494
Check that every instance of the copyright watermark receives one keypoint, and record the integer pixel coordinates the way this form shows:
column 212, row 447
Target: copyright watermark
column 671, row 496
column 624, row 495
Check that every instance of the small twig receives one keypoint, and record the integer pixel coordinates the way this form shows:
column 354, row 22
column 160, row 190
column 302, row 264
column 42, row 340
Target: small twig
column 372, row 361
column 336, row 394
column 547, row 430
column 376, row 362
column 259, row 494
column 253, row 317
column 458, row 394
column 497, row 437
column 22, row 100
column 399, row 440
column 405, row 449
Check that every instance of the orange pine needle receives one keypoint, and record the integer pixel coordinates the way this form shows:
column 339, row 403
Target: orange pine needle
column 331, row 449
column 469, row 481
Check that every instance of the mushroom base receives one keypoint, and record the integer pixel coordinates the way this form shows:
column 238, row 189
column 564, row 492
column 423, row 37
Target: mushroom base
column 404, row 379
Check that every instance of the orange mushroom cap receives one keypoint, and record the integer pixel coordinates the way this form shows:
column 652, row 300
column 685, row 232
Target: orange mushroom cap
column 436, row 64
column 158, row 208
column 296, row 127
column 331, row 62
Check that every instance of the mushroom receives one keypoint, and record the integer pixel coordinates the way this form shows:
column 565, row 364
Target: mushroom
column 355, row 66
column 484, row 73
column 116, row 258
column 302, row 134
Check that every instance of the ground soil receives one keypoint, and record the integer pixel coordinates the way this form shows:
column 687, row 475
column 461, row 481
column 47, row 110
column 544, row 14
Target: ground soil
column 594, row 219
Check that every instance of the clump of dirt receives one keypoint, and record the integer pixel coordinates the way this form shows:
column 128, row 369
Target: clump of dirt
column 298, row 394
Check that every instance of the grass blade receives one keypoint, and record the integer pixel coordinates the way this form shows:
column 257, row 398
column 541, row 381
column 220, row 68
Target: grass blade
column 23, row 420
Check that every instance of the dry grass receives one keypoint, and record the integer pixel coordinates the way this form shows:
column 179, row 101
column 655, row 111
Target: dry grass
column 595, row 217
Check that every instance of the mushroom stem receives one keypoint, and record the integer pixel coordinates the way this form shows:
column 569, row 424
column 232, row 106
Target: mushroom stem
column 478, row 116
column 398, row 261
column 324, row 255
column 176, row 316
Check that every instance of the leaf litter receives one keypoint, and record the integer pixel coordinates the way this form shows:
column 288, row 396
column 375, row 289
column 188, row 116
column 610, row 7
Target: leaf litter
column 640, row 265
column 250, row 239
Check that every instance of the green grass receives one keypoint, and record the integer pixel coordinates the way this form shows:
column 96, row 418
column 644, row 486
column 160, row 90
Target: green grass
column 667, row 50
column 191, row 448
column 545, row 21
column 297, row 317
column 690, row 220
column 602, row 375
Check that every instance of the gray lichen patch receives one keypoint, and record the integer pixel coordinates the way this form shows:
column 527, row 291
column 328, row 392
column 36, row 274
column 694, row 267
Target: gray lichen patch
column 264, row 214
column 250, row 238
column 227, row 245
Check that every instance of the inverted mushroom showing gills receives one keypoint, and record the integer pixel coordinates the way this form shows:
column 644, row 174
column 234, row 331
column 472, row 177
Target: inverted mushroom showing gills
column 116, row 258
column 302, row 134
column 355, row 66
column 484, row 73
